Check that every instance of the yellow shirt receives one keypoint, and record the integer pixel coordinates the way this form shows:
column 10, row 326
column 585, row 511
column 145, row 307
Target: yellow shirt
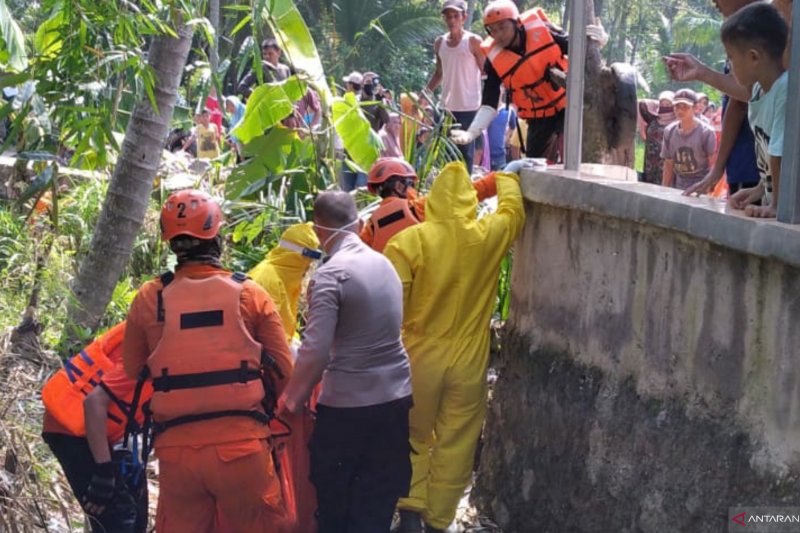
column 207, row 141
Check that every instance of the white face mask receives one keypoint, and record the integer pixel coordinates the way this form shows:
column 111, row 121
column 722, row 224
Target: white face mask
column 334, row 231
column 302, row 250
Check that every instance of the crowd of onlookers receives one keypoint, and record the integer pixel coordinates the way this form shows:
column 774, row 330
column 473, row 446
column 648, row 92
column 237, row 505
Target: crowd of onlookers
column 751, row 120
column 681, row 133
column 403, row 125
column 210, row 133
column 687, row 143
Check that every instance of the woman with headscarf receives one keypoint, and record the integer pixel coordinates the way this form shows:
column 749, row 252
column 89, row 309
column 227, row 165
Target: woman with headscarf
column 235, row 108
column 654, row 135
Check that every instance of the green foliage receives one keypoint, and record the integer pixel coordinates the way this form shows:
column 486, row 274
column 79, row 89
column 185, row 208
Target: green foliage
column 267, row 106
column 504, row 287
column 95, row 47
column 12, row 42
column 358, row 137
column 643, row 35
column 271, row 156
column 22, row 242
column 290, row 30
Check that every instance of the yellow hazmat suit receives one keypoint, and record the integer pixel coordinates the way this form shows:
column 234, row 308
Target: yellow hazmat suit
column 449, row 266
column 281, row 273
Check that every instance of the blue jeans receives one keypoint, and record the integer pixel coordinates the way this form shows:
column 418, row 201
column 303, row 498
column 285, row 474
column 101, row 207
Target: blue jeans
column 467, row 150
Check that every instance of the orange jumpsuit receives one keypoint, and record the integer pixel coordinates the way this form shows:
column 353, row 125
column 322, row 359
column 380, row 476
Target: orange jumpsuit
column 222, row 465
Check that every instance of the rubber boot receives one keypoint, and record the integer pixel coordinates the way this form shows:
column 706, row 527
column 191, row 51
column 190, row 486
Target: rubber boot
column 410, row 522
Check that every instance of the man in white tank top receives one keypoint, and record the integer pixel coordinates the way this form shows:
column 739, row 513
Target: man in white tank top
column 459, row 67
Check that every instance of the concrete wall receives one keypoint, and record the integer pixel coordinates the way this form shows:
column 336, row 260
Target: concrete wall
column 649, row 378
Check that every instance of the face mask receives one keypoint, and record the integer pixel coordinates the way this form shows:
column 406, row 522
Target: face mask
column 335, row 231
column 368, row 90
column 302, row 250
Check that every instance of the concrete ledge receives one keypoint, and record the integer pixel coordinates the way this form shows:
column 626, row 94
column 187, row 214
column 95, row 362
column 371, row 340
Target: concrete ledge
column 613, row 191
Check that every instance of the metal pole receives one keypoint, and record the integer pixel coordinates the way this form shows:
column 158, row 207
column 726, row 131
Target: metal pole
column 573, row 129
column 789, row 199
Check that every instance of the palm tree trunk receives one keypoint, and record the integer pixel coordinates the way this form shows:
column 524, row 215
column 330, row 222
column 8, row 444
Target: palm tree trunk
column 129, row 190
column 213, row 18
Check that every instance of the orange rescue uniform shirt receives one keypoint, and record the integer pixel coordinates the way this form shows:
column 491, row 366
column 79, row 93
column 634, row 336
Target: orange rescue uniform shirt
column 261, row 319
column 485, row 187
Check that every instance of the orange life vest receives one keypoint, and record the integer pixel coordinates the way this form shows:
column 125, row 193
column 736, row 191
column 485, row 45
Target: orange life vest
column 63, row 394
column 527, row 76
column 391, row 217
column 206, row 365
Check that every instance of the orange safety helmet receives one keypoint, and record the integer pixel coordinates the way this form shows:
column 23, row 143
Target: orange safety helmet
column 386, row 167
column 190, row 212
column 500, row 10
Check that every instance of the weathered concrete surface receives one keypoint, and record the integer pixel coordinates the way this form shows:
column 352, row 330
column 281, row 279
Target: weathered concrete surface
column 649, row 378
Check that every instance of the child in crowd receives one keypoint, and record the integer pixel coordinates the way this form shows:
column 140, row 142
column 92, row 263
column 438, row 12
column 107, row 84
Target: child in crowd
column 689, row 144
column 205, row 135
column 755, row 39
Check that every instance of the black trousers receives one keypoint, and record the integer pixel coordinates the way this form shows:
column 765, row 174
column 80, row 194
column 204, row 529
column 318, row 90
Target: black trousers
column 543, row 136
column 360, row 465
column 127, row 512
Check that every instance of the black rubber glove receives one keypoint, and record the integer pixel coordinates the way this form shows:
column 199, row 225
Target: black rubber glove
column 101, row 489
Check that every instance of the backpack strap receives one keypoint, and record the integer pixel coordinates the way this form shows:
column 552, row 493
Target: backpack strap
column 166, row 278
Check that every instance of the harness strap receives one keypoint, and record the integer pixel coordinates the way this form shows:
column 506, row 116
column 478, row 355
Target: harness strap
column 161, row 427
column 132, row 427
column 166, row 278
column 166, row 382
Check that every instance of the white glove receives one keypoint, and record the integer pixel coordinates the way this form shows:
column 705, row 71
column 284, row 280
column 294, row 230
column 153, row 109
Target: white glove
column 463, row 136
column 597, row 33
column 532, row 163
column 483, row 118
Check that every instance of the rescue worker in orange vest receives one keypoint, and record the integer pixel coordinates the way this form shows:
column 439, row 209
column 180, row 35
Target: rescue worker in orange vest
column 527, row 54
column 214, row 345
column 86, row 409
column 393, row 179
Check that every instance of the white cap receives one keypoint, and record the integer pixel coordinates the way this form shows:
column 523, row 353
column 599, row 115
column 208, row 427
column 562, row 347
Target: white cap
column 354, row 77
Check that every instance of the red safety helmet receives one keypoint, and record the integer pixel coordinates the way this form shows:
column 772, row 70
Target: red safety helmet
column 190, row 212
column 500, row 10
column 386, row 167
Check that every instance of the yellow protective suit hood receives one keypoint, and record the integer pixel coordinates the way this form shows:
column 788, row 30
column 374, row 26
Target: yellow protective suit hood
column 281, row 273
column 452, row 196
column 449, row 266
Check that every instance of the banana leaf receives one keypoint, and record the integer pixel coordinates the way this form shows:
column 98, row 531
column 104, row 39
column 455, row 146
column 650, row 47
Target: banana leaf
column 13, row 54
column 358, row 137
column 269, row 159
column 48, row 40
column 267, row 106
column 290, row 30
